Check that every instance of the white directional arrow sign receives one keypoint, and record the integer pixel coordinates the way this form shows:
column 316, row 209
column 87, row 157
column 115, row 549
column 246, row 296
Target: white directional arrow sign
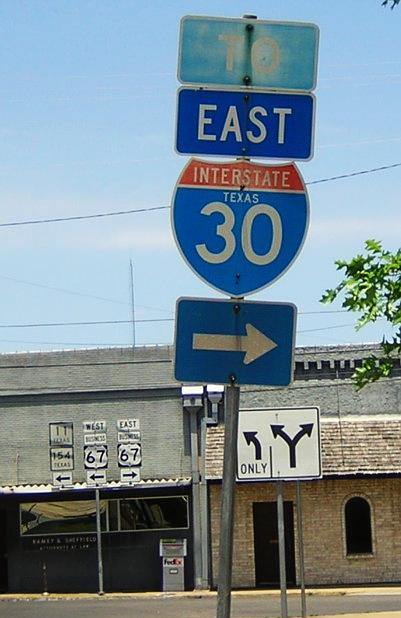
column 221, row 341
column 254, row 343
column 278, row 443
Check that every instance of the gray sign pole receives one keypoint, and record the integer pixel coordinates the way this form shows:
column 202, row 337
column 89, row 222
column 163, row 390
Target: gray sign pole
column 227, row 502
column 301, row 549
column 281, row 549
column 196, row 511
column 204, row 510
column 99, row 542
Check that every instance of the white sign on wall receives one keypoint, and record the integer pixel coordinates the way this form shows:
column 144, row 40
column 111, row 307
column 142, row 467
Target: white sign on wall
column 129, row 455
column 128, row 424
column 61, row 434
column 128, row 436
column 94, row 426
column 62, row 479
column 61, row 458
column 96, row 477
column 96, row 456
column 95, row 438
column 279, row 443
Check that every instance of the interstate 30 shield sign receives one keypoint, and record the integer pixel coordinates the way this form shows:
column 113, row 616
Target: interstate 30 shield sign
column 239, row 225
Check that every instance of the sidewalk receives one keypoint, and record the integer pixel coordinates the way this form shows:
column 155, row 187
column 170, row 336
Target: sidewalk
column 236, row 594
column 340, row 591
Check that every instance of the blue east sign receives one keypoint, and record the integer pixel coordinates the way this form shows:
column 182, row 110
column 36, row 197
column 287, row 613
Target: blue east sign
column 245, row 124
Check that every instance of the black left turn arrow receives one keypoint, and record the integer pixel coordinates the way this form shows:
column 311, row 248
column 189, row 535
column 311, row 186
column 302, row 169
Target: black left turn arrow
column 250, row 437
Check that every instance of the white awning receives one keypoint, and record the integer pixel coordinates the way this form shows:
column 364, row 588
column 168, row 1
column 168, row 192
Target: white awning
column 48, row 488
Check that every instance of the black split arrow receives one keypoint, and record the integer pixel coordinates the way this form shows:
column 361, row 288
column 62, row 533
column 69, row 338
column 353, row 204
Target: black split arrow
column 306, row 429
column 250, row 437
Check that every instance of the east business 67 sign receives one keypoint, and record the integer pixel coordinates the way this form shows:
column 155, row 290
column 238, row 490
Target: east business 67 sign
column 239, row 225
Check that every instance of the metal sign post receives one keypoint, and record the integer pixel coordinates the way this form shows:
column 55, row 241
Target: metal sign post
column 281, row 549
column 227, row 502
column 99, row 542
column 196, row 498
column 301, row 549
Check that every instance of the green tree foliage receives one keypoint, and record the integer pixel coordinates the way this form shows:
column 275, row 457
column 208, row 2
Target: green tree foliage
column 372, row 286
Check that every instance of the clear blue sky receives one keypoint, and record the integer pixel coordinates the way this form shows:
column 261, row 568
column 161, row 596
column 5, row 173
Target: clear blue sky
column 87, row 96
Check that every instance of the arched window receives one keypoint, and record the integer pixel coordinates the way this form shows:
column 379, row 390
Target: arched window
column 358, row 528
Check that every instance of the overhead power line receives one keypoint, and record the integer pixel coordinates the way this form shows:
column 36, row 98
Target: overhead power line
column 144, row 320
column 91, row 323
column 121, row 344
column 350, row 175
column 153, row 208
column 79, row 217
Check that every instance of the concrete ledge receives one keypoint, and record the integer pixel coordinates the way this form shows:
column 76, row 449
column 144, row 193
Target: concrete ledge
column 198, row 594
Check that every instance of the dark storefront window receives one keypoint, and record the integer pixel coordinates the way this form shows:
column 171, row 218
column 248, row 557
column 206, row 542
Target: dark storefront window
column 79, row 516
column 67, row 517
column 153, row 513
column 113, row 515
column 358, row 528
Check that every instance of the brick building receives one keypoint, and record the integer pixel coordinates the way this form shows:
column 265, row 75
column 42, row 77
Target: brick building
column 351, row 517
column 48, row 533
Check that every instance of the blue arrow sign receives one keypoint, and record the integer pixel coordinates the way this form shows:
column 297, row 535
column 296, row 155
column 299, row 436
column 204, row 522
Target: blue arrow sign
column 245, row 123
column 239, row 225
column 236, row 52
column 226, row 341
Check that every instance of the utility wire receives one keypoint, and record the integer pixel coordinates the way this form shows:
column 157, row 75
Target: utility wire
column 79, row 217
column 369, row 171
column 153, row 208
column 63, row 290
column 92, row 323
column 144, row 320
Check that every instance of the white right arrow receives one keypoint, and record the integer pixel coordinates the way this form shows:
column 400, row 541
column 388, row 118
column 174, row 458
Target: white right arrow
column 254, row 343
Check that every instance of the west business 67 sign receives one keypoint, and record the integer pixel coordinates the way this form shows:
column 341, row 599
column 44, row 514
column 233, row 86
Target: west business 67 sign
column 239, row 225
